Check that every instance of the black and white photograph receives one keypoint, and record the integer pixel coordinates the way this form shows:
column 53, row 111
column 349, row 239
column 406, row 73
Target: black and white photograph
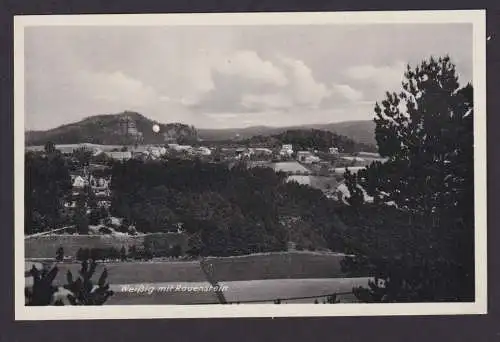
column 250, row 165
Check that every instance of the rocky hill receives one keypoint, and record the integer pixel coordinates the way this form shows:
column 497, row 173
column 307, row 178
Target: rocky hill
column 114, row 129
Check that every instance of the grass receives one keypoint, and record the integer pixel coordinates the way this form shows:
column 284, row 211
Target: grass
column 263, row 277
column 278, row 265
column 140, row 272
column 284, row 265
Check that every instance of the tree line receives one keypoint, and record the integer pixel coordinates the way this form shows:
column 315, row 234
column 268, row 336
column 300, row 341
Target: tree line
column 224, row 211
column 305, row 139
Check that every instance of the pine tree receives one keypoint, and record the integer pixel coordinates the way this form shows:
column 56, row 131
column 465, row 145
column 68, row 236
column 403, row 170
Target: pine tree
column 426, row 134
column 49, row 147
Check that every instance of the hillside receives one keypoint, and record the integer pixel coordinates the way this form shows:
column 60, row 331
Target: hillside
column 360, row 131
column 304, row 139
column 113, row 129
column 132, row 127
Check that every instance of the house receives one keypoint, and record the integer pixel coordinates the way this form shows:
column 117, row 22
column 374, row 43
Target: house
column 307, row 157
column 286, row 150
column 155, row 152
column 333, row 150
column 79, row 182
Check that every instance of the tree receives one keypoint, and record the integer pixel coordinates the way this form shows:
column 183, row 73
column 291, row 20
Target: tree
column 176, row 251
column 79, row 254
column 81, row 217
column 82, row 290
column 426, row 134
column 49, row 147
column 132, row 252
column 60, row 254
column 42, row 292
column 47, row 187
column 123, row 254
column 82, row 156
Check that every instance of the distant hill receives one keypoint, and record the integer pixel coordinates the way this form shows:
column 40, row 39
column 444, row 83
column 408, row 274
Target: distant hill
column 114, row 129
column 131, row 127
column 359, row 131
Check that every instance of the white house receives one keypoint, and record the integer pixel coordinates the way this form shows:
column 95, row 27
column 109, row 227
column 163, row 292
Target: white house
column 286, row 150
column 333, row 150
column 307, row 157
column 79, row 182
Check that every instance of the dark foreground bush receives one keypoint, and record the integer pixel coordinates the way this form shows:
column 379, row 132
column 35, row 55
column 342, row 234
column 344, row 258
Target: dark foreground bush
column 82, row 291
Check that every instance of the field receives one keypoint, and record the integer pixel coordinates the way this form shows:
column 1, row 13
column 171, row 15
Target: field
column 258, row 277
column 268, row 290
column 46, row 246
column 291, row 166
column 284, row 265
column 140, row 272
column 279, row 265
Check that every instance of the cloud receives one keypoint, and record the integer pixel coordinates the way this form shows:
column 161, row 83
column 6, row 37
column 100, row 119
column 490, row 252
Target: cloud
column 305, row 90
column 347, row 92
column 244, row 82
column 388, row 77
column 247, row 64
column 116, row 87
column 226, row 76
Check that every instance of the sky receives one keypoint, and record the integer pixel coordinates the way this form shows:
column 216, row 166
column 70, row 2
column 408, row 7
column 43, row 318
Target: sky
column 227, row 76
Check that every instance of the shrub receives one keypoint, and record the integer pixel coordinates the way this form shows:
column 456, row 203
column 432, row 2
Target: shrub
column 42, row 292
column 60, row 254
column 132, row 252
column 123, row 254
column 83, row 254
column 176, row 251
column 82, row 290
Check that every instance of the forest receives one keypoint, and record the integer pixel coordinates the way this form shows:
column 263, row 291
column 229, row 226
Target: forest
column 305, row 139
